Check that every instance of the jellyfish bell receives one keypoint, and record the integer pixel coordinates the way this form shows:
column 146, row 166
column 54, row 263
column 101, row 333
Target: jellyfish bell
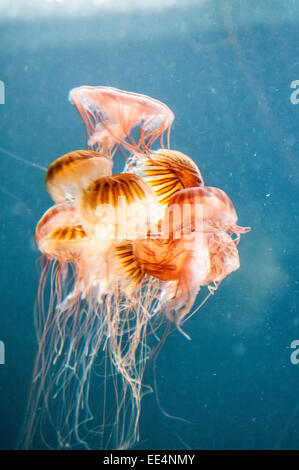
column 166, row 171
column 67, row 176
column 156, row 256
column 201, row 209
column 161, row 258
column 110, row 115
column 116, row 207
column 59, row 233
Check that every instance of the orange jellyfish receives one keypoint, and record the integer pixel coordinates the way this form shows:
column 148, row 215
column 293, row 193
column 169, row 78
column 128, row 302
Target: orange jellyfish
column 166, row 171
column 117, row 206
column 192, row 249
column 110, row 115
column 59, row 233
column 93, row 297
column 72, row 172
column 209, row 207
column 123, row 255
column 184, row 266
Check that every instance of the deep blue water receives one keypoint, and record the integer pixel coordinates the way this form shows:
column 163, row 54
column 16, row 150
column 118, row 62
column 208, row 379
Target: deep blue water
column 225, row 70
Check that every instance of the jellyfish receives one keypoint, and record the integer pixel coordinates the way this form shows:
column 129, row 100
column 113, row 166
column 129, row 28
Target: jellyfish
column 110, row 115
column 114, row 205
column 166, row 171
column 72, row 172
column 194, row 248
column 93, row 296
column 124, row 258
column 59, row 233
column 184, row 267
column 209, row 207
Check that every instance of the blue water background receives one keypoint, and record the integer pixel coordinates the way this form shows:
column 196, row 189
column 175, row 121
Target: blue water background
column 225, row 70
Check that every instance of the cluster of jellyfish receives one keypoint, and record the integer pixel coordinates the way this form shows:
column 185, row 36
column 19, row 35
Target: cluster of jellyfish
column 124, row 257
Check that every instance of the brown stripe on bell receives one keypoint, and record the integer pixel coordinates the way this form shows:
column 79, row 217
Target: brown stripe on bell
column 69, row 233
column 67, row 176
column 127, row 263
